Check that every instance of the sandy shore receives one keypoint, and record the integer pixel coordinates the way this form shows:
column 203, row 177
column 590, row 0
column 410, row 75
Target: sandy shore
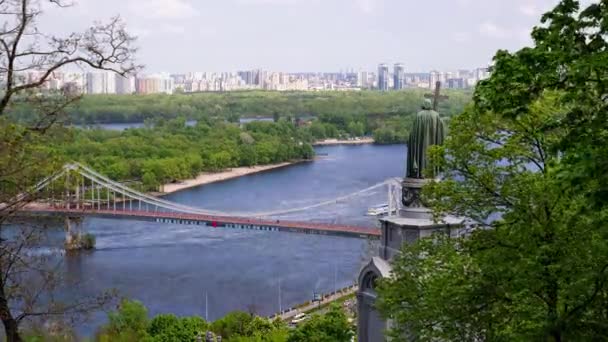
column 210, row 177
column 344, row 142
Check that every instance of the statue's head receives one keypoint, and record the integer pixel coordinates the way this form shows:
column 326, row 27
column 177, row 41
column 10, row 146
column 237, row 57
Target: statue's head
column 427, row 104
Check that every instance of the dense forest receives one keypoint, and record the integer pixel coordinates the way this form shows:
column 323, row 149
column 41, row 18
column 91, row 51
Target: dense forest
column 174, row 151
column 234, row 105
column 167, row 149
column 385, row 115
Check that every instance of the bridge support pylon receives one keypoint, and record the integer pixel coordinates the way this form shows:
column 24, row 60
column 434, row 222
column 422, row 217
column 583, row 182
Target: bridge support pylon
column 73, row 232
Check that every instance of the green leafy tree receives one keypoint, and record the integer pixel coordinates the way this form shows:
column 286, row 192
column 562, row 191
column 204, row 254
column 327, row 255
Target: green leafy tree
column 569, row 55
column 330, row 327
column 318, row 131
column 535, row 269
column 385, row 135
column 356, row 129
column 149, row 181
column 169, row 328
column 128, row 323
column 233, row 324
column 29, row 283
column 527, row 162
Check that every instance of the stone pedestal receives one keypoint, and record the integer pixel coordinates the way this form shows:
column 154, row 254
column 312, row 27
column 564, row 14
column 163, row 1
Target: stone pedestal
column 413, row 222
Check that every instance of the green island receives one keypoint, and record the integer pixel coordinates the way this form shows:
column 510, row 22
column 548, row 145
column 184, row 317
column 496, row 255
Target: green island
column 167, row 150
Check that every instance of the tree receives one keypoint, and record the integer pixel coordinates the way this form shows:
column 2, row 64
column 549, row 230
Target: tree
column 128, row 323
column 28, row 283
column 331, row 327
column 233, row 324
column 317, row 129
column 356, row 129
column 525, row 163
column 168, row 327
column 385, row 135
column 570, row 56
column 535, row 267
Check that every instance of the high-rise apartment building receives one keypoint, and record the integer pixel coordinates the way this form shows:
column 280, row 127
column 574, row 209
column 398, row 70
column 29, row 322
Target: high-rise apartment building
column 482, row 74
column 125, row 84
column 383, row 77
column 363, row 80
column 399, row 76
column 435, row 77
column 101, row 83
column 159, row 83
column 147, row 85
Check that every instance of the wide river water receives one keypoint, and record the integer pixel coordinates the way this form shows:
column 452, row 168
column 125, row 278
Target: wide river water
column 170, row 267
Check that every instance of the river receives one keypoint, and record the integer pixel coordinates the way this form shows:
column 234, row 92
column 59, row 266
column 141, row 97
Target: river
column 170, row 268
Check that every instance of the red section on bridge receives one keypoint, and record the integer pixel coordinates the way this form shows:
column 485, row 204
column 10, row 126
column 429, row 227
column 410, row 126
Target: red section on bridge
column 323, row 228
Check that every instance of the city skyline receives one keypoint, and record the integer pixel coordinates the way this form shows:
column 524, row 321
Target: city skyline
column 306, row 36
column 385, row 79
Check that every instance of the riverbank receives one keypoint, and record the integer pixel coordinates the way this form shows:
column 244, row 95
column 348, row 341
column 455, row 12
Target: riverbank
column 328, row 142
column 212, row 177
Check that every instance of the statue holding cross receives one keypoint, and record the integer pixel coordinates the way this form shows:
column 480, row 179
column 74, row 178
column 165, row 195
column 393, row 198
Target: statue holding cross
column 436, row 97
column 427, row 130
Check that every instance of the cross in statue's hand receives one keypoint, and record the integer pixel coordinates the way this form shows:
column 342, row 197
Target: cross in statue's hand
column 436, row 97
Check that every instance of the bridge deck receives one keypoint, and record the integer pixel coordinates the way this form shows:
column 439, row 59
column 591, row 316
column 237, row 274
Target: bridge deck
column 217, row 221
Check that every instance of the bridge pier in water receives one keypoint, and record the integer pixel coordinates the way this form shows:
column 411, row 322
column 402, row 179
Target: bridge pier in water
column 73, row 232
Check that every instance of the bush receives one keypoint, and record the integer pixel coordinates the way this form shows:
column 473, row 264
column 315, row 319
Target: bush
column 127, row 324
column 88, row 241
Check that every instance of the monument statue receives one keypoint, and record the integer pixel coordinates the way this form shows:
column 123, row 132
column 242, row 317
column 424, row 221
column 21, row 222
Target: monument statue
column 414, row 221
column 427, row 131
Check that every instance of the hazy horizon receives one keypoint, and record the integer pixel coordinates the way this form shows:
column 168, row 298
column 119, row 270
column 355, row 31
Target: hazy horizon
column 312, row 35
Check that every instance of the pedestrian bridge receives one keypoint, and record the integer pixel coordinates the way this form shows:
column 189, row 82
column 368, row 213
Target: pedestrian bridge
column 79, row 191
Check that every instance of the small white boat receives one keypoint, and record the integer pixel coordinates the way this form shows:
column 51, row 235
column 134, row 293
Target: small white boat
column 378, row 210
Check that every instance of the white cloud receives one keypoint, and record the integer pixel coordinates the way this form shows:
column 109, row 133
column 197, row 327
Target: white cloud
column 492, row 30
column 163, row 9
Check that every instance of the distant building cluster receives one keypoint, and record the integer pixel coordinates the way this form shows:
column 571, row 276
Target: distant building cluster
column 397, row 78
column 385, row 78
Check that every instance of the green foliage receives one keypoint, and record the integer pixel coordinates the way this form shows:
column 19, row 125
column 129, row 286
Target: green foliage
column 428, row 292
column 331, row 327
column 128, row 323
column 339, row 114
column 174, row 151
column 21, row 148
column 168, row 328
column 60, row 333
column 336, row 108
column 523, row 163
column 569, row 56
column 88, row 241
column 387, row 135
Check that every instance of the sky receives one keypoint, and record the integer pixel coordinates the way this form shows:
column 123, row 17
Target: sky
column 312, row 35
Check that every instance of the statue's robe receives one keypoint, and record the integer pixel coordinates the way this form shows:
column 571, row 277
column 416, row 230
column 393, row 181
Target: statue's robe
column 428, row 130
